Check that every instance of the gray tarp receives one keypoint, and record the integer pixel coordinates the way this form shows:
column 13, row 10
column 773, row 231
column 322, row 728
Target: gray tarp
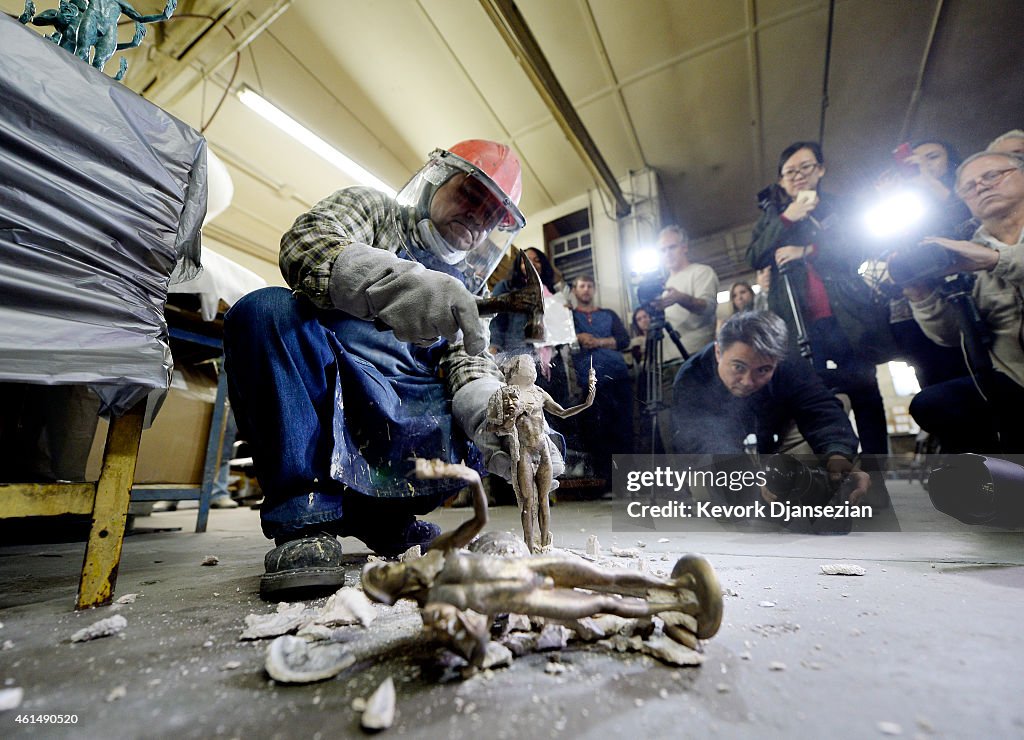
column 101, row 193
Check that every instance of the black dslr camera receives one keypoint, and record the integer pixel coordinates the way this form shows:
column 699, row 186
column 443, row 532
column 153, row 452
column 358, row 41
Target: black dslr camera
column 647, row 293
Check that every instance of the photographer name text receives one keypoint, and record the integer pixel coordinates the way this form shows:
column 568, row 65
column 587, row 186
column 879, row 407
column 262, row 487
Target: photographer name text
column 777, row 510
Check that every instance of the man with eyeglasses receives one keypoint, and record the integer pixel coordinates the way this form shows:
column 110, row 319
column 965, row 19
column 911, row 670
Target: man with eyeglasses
column 802, row 234
column 373, row 358
column 981, row 413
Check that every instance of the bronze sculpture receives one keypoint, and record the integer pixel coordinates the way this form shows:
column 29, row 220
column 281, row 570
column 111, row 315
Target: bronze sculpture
column 459, row 593
column 88, row 28
column 516, row 413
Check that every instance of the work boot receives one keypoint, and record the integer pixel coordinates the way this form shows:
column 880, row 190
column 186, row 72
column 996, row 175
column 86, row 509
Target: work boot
column 391, row 542
column 308, row 564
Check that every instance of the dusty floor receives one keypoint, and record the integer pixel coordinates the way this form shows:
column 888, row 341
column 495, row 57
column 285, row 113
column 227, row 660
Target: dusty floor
column 927, row 643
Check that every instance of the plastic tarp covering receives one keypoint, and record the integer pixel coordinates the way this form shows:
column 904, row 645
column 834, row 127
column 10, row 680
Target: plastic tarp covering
column 101, row 194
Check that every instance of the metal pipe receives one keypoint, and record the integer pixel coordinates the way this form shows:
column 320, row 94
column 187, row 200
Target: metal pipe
column 915, row 96
column 512, row 27
column 168, row 89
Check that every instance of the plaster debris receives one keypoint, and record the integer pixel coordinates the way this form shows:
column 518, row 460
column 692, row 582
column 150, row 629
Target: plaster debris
column 347, row 606
column 210, row 560
column 103, row 628
column 127, row 599
column 766, row 604
column 593, row 546
column 767, row 630
column 291, row 659
column 11, row 698
column 519, row 623
column 587, row 629
column 497, row 656
column 722, row 688
column 359, row 704
column 380, row 707
column 231, row 665
column 553, row 637
column 842, row 569
column 553, row 668
column 658, row 646
column 889, row 728
column 412, row 553
column 729, row 592
column 663, row 540
column 7, row 645
column 287, row 618
column 118, row 692
column 776, row 665
column 625, row 552
column 520, row 643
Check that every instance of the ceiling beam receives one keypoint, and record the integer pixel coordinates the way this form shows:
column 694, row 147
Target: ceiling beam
column 176, row 77
column 524, row 47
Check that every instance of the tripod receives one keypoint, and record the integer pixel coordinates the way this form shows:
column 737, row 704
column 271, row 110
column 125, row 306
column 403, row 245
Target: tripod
column 651, row 369
column 803, row 341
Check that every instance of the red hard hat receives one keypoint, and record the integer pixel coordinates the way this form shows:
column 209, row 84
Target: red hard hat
column 495, row 160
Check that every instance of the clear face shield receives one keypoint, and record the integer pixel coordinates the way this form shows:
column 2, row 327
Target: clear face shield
column 463, row 217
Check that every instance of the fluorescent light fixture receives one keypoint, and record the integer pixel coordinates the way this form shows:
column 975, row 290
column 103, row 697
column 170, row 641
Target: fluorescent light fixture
column 304, row 136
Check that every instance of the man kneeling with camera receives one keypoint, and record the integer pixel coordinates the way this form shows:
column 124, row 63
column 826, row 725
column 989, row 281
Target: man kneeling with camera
column 979, row 413
column 742, row 393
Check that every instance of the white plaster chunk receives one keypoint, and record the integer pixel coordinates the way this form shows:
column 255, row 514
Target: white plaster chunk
column 380, row 707
column 283, row 621
column 347, row 606
column 842, row 569
column 11, row 698
column 553, row 637
column 103, row 628
column 291, row 659
column 497, row 656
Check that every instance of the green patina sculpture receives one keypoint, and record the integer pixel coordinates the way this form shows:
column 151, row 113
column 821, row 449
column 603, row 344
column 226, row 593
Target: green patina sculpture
column 88, row 28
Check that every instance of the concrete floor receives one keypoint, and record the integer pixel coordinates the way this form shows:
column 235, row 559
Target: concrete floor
column 927, row 644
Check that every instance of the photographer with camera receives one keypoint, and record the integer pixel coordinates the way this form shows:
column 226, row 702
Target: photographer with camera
column 925, row 171
column 749, row 383
column 690, row 294
column 817, row 291
column 980, row 413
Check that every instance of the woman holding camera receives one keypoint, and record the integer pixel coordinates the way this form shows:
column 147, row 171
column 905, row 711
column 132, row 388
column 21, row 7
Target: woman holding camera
column 930, row 170
column 802, row 236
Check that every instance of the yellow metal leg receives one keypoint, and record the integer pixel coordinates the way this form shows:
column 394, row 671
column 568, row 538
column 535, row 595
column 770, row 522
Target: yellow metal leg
column 110, row 510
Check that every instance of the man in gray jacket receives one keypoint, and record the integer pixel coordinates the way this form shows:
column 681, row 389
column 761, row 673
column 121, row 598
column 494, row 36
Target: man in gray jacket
column 981, row 413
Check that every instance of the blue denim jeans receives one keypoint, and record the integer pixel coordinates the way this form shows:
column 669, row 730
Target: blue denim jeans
column 335, row 411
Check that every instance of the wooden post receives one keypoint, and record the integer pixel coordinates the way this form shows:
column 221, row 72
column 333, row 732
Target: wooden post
column 110, row 509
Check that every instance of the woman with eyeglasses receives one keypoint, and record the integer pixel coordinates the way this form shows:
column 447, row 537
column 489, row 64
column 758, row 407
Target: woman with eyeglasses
column 802, row 236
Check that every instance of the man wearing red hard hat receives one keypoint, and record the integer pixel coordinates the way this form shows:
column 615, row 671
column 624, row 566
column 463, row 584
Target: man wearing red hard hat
column 373, row 358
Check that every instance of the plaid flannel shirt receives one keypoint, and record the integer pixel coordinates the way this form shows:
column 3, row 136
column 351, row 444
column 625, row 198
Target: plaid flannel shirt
column 360, row 215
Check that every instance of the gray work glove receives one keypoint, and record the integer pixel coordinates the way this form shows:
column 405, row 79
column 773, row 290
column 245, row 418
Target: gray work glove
column 417, row 304
column 469, row 407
